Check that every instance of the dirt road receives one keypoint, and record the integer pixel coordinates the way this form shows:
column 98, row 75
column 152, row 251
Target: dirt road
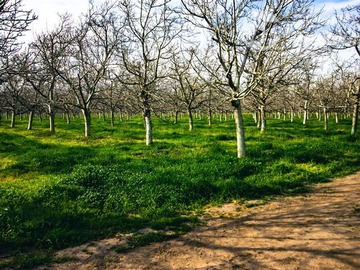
column 320, row 230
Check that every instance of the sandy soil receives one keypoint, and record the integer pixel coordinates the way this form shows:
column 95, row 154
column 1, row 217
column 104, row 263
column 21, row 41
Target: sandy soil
column 320, row 230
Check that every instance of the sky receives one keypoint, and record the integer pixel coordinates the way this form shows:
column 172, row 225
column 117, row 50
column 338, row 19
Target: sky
column 48, row 10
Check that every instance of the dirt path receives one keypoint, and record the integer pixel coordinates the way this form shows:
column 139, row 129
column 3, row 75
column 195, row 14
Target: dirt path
column 318, row 231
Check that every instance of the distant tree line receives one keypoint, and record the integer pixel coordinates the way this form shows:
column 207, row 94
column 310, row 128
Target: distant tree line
column 153, row 57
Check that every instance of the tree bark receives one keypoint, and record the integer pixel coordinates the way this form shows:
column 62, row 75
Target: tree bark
column 30, row 121
column 239, row 124
column 355, row 111
column 305, row 112
column 87, row 122
column 52, row 121
column 326, row 119
column 209, row 117
column 262, row 118
column 176, row 117
column 112, row 117
column 191, row 120
column 148, row 126
column 13, row 115
column 68, row 118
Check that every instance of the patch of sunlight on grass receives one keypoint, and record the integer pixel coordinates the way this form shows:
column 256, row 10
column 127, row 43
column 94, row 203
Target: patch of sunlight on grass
column 31, row 182
column 311, row 167
column 6, row 162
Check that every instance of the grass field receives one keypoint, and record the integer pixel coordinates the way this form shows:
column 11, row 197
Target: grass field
column 59, row 190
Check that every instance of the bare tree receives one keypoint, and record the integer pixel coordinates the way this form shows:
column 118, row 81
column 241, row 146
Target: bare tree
column 350, row 82
column 17, row 95
column 113, row 96
column 50, row 50
column 188, row 88
column 89, row 56
column 14, row 21
column 151, row 29
column 345, row 33
column 242, row 33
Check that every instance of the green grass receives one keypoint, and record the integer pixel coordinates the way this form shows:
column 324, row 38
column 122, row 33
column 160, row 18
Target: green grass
column 60, row 190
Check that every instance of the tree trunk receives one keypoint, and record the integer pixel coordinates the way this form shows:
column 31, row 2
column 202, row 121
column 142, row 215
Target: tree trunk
column 355, row 111
column 239, row 124
column 176, row 117
column 148, row 126
column 13, row 115
column 191, row 120
column 68, row 118
column 52, row 122
column 87, row 121
column 254, row 115
column 30, row 121
column 51, row 118
column 112, row 117
column 326, row 119
column 262, row 118
column 209, row 117
column 305, row 112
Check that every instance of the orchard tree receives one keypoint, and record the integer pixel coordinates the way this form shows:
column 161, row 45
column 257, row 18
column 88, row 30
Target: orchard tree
column 325, row 95
column 16, row 93
column 304, row 88
column 113, row 96
column 241, row 33
column 151, row 28
column 345, row 34
column 22, row 67
column 14, row 21
column 188, row 88
column 50, row 49
column 92, row 46
column 350, row 82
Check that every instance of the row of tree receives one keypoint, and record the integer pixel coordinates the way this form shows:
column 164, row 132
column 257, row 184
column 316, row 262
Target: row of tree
column 153, row 56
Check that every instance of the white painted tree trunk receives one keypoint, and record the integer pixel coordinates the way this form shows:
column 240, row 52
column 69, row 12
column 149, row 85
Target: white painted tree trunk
column 355, row 115
column 262, row 118
column 13, row 115
column 30, row 120
column 191, row 120
column 148, row 127
column 326, row 119
column 240, row 136
column 305, row 112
